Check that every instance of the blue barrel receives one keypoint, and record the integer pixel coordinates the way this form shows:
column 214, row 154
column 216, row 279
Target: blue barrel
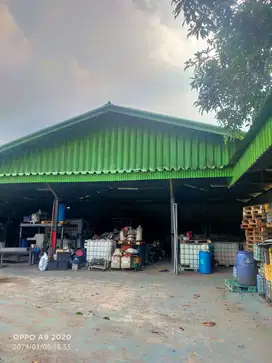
column 24, row 243
column 246, row 268
column 205, row 262
column 61, row 214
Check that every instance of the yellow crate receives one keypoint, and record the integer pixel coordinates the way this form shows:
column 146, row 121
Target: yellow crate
column 268, row 272
column 270, row 254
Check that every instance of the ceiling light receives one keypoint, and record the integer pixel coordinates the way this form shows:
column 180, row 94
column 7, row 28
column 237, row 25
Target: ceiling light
column 194, row 187
column 124, row 188
column 144, row 201
column 254, row 195
column 218, row 186
column 190, row 186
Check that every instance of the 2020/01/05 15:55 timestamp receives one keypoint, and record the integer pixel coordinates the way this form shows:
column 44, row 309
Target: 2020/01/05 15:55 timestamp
column 34, row 346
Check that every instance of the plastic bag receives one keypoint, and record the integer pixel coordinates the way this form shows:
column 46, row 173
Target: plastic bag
column 43, row 263
column 132, row 250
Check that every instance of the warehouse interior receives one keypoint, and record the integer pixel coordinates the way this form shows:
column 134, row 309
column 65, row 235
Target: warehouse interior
column 204, row 207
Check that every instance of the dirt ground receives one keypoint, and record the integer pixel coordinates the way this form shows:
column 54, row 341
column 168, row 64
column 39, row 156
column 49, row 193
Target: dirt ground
column 93, row 316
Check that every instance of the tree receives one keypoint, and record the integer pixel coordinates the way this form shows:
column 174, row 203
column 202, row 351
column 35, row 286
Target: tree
column 233, row 74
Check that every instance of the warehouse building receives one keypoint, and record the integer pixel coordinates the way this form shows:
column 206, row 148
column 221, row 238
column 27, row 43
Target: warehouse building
column 115, row 166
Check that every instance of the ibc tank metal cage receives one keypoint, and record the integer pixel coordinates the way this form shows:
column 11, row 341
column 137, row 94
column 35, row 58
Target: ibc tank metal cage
column 189, row 253
column 224, row 253
column 99, row 253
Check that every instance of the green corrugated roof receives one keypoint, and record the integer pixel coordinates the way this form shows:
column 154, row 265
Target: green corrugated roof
column 261, row 143
column 119, row 110
column 122, row 148
column 258, row 124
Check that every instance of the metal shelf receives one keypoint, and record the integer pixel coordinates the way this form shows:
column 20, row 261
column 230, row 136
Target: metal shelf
column 38, row 225
column 46, row 225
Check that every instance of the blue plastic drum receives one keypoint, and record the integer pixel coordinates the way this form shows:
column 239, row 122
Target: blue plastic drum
column 205, row 262
column 61, row 213
column 246, row 268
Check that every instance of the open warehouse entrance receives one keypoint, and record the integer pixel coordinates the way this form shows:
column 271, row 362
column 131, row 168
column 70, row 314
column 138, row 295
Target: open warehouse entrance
column 210, row 211
column 113, row 166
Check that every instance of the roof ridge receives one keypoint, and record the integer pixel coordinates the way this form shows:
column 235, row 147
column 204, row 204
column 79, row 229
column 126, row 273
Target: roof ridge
column 173, row 120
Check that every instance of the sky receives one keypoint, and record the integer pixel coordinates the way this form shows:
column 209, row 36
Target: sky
column 61, row 58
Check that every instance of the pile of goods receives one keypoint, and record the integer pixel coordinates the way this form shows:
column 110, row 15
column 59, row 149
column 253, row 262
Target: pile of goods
column 128, row 235
column 127, row 258
column 257, row 224
column 38, row 217
column 154, row 252
column 120, row 250
column 62, row 260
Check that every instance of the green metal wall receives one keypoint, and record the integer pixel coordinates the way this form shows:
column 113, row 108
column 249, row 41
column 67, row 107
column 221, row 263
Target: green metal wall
column 124, row 149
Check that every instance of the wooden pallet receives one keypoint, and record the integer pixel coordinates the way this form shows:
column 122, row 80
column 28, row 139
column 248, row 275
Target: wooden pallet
column 187, row 268
column 223, row 265
column 254, row 223
column 258, row 207
column 247, row 215
column 249, row 246
column 257, row 238
column 254, row 207
column 233, row 286
column 244, row 226
column 259, row 215
column 249, row 226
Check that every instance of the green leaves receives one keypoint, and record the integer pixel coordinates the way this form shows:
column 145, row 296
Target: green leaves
column 233, row 75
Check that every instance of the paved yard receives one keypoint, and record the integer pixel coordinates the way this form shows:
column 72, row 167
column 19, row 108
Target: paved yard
column 128, row 317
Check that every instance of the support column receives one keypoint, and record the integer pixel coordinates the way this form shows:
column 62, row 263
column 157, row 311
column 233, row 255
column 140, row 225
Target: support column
column 172, row 201
column 174, row 230
column 55, row 225
column 55, row 213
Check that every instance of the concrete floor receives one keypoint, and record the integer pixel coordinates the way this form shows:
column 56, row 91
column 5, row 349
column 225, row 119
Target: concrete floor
column 131, row 317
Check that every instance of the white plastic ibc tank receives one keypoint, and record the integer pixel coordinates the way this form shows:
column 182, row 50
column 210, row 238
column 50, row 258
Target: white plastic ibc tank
column 189, row 254
column 225, row 252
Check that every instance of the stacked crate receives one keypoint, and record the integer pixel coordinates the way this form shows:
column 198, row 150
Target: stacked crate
column 267, row 268
column 257, row 223
column 257, row 229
